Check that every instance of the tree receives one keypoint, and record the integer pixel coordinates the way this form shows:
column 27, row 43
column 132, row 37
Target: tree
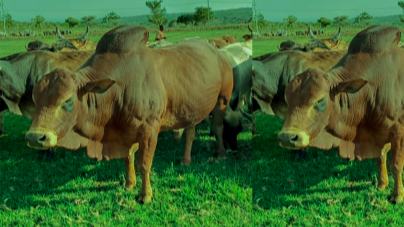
column 9, row 20
column 363, row 18
column 37, row 21
column 111, row 18
column 324, row 22
column 172, row 23
column 158, row 14
column 89, row 20
column 203, row 14
column 73, row 22
column 261, row 20
column 340, row 20
column 401, row 5
column 186, row 19
column 289, row 21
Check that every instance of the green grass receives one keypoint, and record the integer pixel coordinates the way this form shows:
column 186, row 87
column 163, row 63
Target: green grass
column 322, row 190
column 72, row 190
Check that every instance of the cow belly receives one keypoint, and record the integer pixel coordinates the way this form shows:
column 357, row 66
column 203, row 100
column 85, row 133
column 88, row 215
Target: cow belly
column 367, row 144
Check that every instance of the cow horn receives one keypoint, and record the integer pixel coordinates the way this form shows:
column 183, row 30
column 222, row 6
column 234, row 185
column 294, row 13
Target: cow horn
column 335, row 38
column 246, row 115
column 249, row 28
column 311, row 34
column 58, row 33
column 84, row 37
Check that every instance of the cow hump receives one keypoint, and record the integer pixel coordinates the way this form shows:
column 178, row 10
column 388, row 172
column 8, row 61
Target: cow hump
column 123, row 39
column 375, row 39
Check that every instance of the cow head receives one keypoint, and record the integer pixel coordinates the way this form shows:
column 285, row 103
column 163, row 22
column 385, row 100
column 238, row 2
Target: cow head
column 68, row 45
column 310, row 97
column 58, row 102
column 318, row 45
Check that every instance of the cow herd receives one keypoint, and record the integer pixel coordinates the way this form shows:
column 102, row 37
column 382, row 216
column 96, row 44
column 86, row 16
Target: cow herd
column 113, row 98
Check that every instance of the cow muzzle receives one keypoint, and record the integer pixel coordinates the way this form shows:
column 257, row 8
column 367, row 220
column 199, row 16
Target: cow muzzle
column 41, row 139
column 293, row 140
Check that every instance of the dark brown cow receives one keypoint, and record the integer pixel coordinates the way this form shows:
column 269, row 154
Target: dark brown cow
column 142, row 91
column 360, row 101
column 38, row 45
column 18, row 77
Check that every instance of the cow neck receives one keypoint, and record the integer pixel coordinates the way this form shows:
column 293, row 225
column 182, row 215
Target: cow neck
column 94, row 111
column 346, row 111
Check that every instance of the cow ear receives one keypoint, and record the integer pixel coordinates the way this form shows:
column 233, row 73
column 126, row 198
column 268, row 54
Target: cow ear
column 98, row 86
column 350, row 86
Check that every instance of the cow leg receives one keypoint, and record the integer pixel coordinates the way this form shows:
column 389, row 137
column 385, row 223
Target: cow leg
column 147, row 147
column 130, row 176
column 217, row 126
column 383, row 177
column 178, row 134
column 396, row 167
column 186, row 159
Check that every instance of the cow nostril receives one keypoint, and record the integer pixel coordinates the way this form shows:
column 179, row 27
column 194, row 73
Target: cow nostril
column 294, row 138
column 42, row 138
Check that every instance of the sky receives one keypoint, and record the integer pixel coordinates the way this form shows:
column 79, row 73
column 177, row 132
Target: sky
column 59, row 10
column 311, row 10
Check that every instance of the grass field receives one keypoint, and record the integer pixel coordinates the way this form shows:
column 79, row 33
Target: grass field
column 322, row 190
column 72, row 190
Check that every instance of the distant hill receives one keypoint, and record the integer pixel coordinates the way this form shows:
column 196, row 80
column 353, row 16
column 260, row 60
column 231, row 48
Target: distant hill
column 384, row 20
column 228, row 16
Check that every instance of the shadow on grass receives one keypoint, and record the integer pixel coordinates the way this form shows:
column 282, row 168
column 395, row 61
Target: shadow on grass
column 281, row 179
column 27, row 175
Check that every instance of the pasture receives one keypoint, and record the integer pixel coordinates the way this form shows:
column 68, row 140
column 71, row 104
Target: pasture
column 72, row 190
column 321, row 190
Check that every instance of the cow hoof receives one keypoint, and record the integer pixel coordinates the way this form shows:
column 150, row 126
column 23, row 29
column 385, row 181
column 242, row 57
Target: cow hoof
column 144, row 199
column 381, row 186
column 129, row 186
column 185, row 162
column 396, row 199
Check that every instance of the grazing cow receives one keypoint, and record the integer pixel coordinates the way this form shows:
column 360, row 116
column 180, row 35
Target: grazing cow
column 272, row 73
column 20, row 74
column 66, row 45
column 142, row 92
column 360, row 100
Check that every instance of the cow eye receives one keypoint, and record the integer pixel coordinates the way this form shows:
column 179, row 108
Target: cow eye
column 321, row 104
column 69, row 104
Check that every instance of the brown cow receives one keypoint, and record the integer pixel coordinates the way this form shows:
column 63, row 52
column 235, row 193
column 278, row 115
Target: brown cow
column 142, row 92
column 360, row 101
column 272, row 73
column 315, row 44
column 67, row 45
column 18, row 77
column 223, row 41
column 334, row 43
